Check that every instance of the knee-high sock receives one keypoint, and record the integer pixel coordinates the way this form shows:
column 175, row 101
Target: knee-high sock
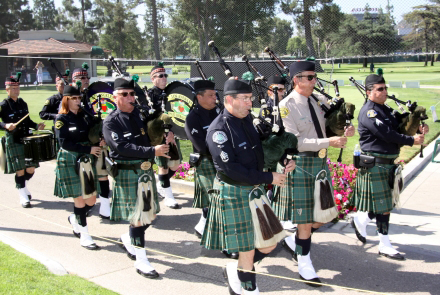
column 105, row 188
column 80, row 215
column 382, row 223
column 20, row 181
column 258, row 256
column 137, row 235
column 164, row 180
column 303, row 246
column 205, row 212
column 248, row 280
column 371, row 215
column 28, row 175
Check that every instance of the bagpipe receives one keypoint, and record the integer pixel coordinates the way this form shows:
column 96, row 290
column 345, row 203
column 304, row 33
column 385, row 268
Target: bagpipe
column 53, row 65
column 409, row 121
column 282, row 68
column 202, row 74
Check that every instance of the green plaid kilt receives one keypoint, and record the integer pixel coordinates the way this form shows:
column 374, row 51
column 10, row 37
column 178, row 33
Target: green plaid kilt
column 204, row 179
column 296, row 200
column 372, row 192
column 67, row 182
column 15, row 156
column 125, row 188
column 163, row 162
column 229, row 225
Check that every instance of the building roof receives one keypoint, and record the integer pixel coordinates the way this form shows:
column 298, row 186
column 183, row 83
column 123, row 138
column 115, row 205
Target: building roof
column 47, row 46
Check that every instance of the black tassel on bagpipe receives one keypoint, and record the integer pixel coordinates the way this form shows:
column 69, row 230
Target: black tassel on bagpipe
column 326, row 195
column 147, row 201
column 89, row 183
column 266, row 232
column 274, row 223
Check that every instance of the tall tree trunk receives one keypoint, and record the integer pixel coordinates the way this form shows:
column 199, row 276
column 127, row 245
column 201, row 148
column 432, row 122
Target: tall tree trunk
column 432, row 59
column 308, row 33
column 83, row 21
column 155, row 29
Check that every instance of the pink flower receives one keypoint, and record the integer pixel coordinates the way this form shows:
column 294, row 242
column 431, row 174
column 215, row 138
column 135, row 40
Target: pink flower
column 341, row 216
column 347, row 211
column 182, row 174
column 339, row 207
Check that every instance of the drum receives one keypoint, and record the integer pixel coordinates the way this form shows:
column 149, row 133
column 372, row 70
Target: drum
column 106, row 92
column 39, row 148
column 180, row 100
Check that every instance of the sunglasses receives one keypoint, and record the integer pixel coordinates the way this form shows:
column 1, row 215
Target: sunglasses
column 309, row 77
column 380, row 89
column 279, row 89
column 246, row 99
column 124, row 94
column 84, row 78
column 161, row 76
column 75, row 98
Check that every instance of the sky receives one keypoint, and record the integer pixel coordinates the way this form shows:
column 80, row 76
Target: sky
column 400, row 7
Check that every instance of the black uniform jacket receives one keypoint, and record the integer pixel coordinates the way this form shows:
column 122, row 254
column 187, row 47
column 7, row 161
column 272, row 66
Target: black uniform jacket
column 378, row 130
column 71, row 130
column 126, row 136
column 11, row 112
column 51, row 107
column 196, row 127
column 236, row 154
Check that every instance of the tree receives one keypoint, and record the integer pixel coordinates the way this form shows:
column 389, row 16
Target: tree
column 154, row 25
column 297, row 46
column 15, row 15
column 302, row 11
column 44, row 14
column 280, row 35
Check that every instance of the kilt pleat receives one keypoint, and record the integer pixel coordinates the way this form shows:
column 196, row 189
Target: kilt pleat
column 296, row 200
column 163, row 162
column 15, row 156
column 67, row 182
column 125, row 188
column 372, row 192
column 229, row 223
column 204, row 180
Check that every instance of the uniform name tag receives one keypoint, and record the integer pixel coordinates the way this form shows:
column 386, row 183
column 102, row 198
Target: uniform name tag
column 127, row 134
column 72, row 128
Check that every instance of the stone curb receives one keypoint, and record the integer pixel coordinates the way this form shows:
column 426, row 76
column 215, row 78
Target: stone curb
column 411, row 170
column 52, row 265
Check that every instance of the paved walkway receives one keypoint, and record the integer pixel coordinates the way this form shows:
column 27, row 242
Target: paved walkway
column 337, row 255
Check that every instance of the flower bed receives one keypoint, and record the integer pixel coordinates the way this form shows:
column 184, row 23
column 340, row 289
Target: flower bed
column 184, row 172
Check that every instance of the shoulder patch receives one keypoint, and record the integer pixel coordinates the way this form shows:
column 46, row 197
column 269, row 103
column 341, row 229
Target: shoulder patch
column 219, row 137
column 284, row 112
column 115, row 136
column 371, row 114
column 59, row 124
column 47, row 102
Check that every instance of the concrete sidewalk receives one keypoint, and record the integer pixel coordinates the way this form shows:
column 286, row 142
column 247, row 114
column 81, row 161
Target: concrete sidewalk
column 337, row 255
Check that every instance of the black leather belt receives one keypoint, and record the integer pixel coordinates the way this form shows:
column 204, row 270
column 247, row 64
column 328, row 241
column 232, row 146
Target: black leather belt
column 384, row 161
column 311, row 154
column 223, row 177
column 146, row 165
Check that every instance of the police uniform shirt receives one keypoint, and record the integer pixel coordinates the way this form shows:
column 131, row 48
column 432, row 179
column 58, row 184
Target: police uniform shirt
column 51, row 107
column 156, row 97
column 71, row 130
column 295, row 112
column 13, row 111
column 126, row 136
column 232, row 152
column 196, row 127
column 378, row 130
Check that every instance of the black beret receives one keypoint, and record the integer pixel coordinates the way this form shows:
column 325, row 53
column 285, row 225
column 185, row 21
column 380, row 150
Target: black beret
column 276, row 80
column 121, row 83
column 201, row 85
column 80, row 72
column 301, row 66
column 71, row 91
column 236, row 86
column 157, row 69
column 10, row 81
column 374, row 79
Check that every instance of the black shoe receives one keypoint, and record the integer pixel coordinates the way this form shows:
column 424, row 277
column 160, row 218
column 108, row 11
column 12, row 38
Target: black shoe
column 358, row 234
column 315, row 280
column 131, row 256
column 175, row 206
column 92, row 247
column 199, row 235
column 78, row 235
column 151, row 274
column 225, row 275
column 396, row 256
column 26, row 205
column 30, row 197
column 233, row 255
column 285, row 246
column 104, row 217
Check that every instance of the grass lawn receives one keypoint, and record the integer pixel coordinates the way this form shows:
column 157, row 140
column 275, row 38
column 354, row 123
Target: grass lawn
column 20, row 274
column 36, row 96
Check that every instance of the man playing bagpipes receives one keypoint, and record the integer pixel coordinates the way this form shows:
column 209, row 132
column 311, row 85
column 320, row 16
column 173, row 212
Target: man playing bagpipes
column 81, row 75
column 14, row 114
column 379, row 181
column 130, row 163
column 167, row 167
column 240, row 218
column 75, row 171
column 307, row 198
